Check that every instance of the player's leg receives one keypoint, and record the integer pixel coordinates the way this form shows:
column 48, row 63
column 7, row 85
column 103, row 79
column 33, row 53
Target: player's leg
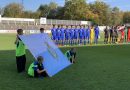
column 96, row 39
column 105, row 39
column 84, row 40
column 78, row 40
column 68, row 41
column 54, row 39
column 81, row 40
column 88, row 39
column 110, row 38
column 91, row 39
column 63, row 41
column 71, row 41
column 58, row 41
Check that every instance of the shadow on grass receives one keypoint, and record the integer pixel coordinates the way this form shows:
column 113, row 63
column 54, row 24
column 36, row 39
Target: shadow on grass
column 8, row 62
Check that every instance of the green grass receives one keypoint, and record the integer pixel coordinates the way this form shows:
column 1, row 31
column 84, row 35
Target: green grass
column 97, row 68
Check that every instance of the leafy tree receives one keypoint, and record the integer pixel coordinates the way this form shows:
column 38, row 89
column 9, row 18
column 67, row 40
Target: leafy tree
column 13, row 10
column 116, row 16
column 75, row 9
column 126, row 17
column 101, row 9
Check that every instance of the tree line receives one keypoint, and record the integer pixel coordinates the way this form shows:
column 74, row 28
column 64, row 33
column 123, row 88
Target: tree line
column 98, row 12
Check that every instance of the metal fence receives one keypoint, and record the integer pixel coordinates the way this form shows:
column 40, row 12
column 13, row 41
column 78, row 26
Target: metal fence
column 14, row 23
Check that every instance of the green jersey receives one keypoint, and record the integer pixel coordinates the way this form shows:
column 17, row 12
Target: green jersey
column 20, row 48
column 31, row 70
column 68, row 55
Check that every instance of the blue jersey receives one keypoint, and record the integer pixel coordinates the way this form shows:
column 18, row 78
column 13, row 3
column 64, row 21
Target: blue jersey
column 53, row 31
column 71, row 33
column 67, row 33
column 62, row 33
column 76, row 33
column 84, row 32
column 88, row 33
column 58, row 32
column 80, row 33
column 36, row 64
column 96, row 31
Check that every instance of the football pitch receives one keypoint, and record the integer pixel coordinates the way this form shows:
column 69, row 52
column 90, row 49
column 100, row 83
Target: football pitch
column 104, row 67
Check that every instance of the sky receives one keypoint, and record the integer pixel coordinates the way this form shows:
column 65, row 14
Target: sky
column 34, row 4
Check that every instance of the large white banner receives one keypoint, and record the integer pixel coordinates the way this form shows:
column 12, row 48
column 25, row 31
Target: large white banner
column 42, row 45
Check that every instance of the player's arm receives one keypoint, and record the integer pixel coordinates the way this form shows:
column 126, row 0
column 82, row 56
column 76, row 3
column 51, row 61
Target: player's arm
column 36, row 68
column 40, row 71
column 16, row 41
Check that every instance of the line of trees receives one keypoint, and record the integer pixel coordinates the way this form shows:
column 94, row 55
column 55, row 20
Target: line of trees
column 98, row 12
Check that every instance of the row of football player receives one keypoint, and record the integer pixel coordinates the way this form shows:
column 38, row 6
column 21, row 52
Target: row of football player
column 116, row 33
column 72, row 35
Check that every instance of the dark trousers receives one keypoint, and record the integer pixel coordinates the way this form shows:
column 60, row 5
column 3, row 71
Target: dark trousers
column 43, row 74
column 106, row 39
column 21, row 62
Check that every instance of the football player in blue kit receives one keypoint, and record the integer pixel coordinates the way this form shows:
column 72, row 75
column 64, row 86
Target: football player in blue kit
column 84, row 31
column 67, row 35
column 76, row 35
column 58, row 34
column 96, row 29
column 62, row 35
column 80, row 35
column 71, row 35
column 53, row 32
column 88, row 34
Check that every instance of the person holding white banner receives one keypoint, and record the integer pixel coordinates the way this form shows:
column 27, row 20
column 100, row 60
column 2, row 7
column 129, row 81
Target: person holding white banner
column 20, row 52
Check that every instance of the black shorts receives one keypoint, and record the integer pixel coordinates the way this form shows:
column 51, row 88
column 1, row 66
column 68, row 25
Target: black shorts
column 106, row 36
column 21, row 62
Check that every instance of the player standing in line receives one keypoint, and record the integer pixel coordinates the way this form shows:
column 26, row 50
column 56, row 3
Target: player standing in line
column 76, row 35
column 80, row 35
column 88, row 34
column 84, row 34
column 116, row 35
column 111, row 34
column 67, row 35
column 122, row 32
column 62, row 35
column 96, row 29
column 91, row 35
column 71, row 35
column 106, row 35
column 58, row 34
column 126, row 35
column 53, row 32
